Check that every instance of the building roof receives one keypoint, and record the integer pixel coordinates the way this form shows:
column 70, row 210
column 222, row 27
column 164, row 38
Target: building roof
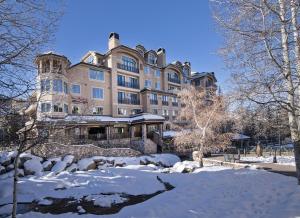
column 203, row 74
column 84, row 119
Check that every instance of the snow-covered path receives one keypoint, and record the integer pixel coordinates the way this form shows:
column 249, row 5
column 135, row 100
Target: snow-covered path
column 212, row 192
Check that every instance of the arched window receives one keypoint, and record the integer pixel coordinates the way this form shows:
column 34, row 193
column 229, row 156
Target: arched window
column 129, row 62
column 151, row 58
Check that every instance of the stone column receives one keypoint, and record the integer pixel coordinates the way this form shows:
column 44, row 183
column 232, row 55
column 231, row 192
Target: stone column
column 160, row 129
column 107, row 130
column 144, row 132
column 131, row 132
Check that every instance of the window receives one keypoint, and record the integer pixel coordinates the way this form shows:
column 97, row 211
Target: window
column 175, row 100
column 153, row 96
column 96, row 75
column 66, row 108
column 165, row 112
column 122, row 111
column 148, row 83
column 75, row 109
column 174, row 113
column 45, row 107
column 154, row 111
column 98, row 110
column 157, row 85
column 135, row 111
column 146, row 69
column 57, row 108
column 165, row 98
column 57, row 85
column 97, row 93
column 134, row 83
column 66, row 88
column 76, row 89
column 45, row 85
column 129, row 62
column 121, row 80
column 90, row 59
column 157, row 73
column 151, row 58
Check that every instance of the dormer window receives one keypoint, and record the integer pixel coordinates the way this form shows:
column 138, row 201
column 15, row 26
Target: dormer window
column 90, row 59
column 151, row 58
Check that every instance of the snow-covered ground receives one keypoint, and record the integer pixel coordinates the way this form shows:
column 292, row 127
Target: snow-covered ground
column 283, row 160
column 211, row 191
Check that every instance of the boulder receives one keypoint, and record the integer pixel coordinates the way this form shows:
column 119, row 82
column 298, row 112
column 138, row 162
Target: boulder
column 21, row 173
column 185, row 166
column 72, row 168
column 2, row 170
column 59, row 167
column 86, row 164
column 33, row 167
column 10, row 167
column 68, row 159
column 5, row 159
column 47, row 165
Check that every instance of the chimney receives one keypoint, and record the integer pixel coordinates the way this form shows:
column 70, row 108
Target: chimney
column 113, row 40
column 161, row 60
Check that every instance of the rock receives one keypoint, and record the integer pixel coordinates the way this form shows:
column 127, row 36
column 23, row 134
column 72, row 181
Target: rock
column 10, row 167
column 68, row 159
column 33, row 167
column 47, row 165
column 5, row 160
column 26, row 156
column 185, row 167
column 120, row 165
column 59, row 167
column 21, row 173
column 72, row 168
column 86, row 164
column 2, row 170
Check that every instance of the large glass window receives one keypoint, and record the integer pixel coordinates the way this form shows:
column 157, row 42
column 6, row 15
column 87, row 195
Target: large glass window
column 122, row 111
column 121, row 80
column 66, row 88
column 157, row 85
column 45, row 107
column 75, row 109
column 57, row 108
column 45, row 85
column 97, row 93
column 96, row 75
column 66, row 108
column 146, row 69
column 148, row 83
column 129, row 62
column 153, row 96
column 157, row 73
column 76, row 89
column 165, row 98
column 57, row 85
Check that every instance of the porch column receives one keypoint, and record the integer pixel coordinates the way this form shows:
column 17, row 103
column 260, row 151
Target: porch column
column 160, row 129
column 107, row 130
column 144, row 132
column 131, row 129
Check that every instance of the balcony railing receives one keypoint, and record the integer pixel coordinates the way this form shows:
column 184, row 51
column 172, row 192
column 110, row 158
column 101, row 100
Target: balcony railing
column 174, row 80
column 129, row 85
column 153, row 101
column 175, row 104
column 128, row 68
column 128, row 101
column 165, row 103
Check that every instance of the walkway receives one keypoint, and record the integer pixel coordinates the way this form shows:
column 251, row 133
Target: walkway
column 286, row 170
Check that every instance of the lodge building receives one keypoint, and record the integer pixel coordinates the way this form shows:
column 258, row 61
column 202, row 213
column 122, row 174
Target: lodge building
column 123, row 96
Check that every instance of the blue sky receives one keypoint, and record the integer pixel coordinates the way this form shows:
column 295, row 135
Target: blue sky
column 185, row 28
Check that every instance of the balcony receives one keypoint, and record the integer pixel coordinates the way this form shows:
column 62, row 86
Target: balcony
column 128, row 101
column 127, row 68
column 129, row 84
column 175, row 104
column 174, row 80
column 165, row 103
column 153, row 101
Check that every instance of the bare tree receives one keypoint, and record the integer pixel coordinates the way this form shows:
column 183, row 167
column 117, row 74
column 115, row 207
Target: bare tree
column 26, row 27
column 262, row 49
column 207, row 126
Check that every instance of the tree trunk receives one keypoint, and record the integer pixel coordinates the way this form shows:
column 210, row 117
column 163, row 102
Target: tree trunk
column 16, row 164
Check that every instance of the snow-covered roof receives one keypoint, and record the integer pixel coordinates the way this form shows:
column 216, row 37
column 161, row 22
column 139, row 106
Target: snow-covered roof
column 169, row 133
column 240, row 137
column 101, row 118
